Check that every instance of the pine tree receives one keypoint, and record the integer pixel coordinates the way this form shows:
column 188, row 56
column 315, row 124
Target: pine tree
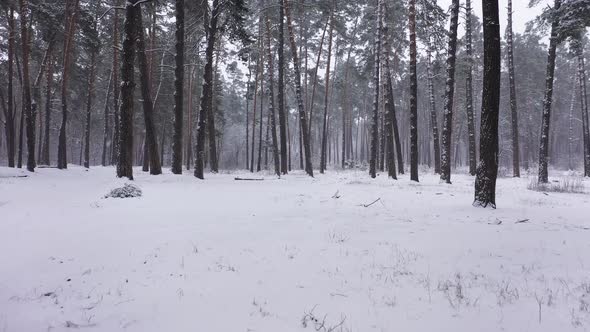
column 178, row 90
column 513, row 105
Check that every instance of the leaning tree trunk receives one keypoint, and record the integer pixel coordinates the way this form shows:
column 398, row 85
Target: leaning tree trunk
column 207, row 94
column 469, row 91
column 487, row 170
column 62, row 157
column 445, row 167
column 27, row 107
column 513, row 105
column 271, row 104
column 326, row 97
column 375, row 115
column 148, row 106
column 178, row 90
column 413, row 95
column 125, row 158
column 432, row 104
column 548, row 100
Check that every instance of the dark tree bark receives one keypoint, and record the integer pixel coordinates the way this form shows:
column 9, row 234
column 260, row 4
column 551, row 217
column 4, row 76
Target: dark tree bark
column 432, row 103
column 548, row 100
column 178, row 90
column 389, row 106
column 125, row 158
column 375, row 114
column 37, row 93
column 210, row 23
column 469, row 91
column 271, row 106
column 513, row 105
column 256, row 78
column 27, row 107
column 148, row 106
column 487, row 170
column 91, row 78
column 326, row 97
column 445, row 169
column 578, row 48
column 281, row 87
column 71, row 18
column 347, row 104
column 9, row 114
column 314, row 85
column 413, row 95
column 116, row 87
column 106, row 129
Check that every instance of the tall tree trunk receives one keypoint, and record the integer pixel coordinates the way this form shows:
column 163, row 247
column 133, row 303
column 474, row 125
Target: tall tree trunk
column 413, row 95
column 327, row 96
column 116, row 87
column 469, row 91
column 375, row 115
column 432, row 103
column 271, row 106
column 37, row 92
column 106, row 130
column 210, row 23
column 146, row 94
column 125, row 158
column 72, row 14
column 281, row 92
column 9, row 114
column 487, row 170
column 513, row 105
column 578, row 47
column 45, row 151
column 548, row 100
column 570, row 140
column 389, row 106
column 27, row 107
column 347, row 104
column 247, row 154
column 314, row 85
column 91, row 77
column 178, row 90
column 445, row 169
column 261, row 55
column 256, row 77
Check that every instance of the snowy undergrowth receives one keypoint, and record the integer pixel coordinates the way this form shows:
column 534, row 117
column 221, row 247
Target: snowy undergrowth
column 339, row 252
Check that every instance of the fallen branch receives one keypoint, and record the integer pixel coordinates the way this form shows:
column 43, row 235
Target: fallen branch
column 373, row 202
column 521, row 221
column 247, row 179
column 336, row 196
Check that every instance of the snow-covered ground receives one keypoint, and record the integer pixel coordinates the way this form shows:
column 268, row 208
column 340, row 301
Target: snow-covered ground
column 279, row 254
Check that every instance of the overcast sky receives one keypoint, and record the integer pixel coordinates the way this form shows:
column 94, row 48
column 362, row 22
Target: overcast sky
column 522, row 14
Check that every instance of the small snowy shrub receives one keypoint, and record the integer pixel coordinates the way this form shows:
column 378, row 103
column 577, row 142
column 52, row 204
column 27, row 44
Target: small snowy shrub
column 567, row 184
column 128, row 190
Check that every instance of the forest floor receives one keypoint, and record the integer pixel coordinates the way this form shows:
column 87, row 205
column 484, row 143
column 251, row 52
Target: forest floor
column 339, row 252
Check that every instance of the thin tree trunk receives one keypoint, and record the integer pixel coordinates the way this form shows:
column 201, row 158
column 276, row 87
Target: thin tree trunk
column 116, row 89
column 432, row 102
column 327, row 96
column 10, row 113
column 271, row 107
column 261, row 54
column 281, row 92
column 548, row 100
column 91, row 78
column 487, row 170
column 445, row 169
column 106, row 130
column 256, row 77
column 314, row 85
column 413, row 95
column 389, row 106
column 579, row 50
column 375, row 124
column 513, row 105
column 469, row 91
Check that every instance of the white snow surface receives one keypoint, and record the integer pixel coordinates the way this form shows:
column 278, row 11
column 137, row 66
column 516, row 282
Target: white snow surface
column 226, row 255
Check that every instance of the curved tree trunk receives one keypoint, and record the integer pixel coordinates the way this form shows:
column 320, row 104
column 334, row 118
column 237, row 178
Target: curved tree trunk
column 445, row 166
